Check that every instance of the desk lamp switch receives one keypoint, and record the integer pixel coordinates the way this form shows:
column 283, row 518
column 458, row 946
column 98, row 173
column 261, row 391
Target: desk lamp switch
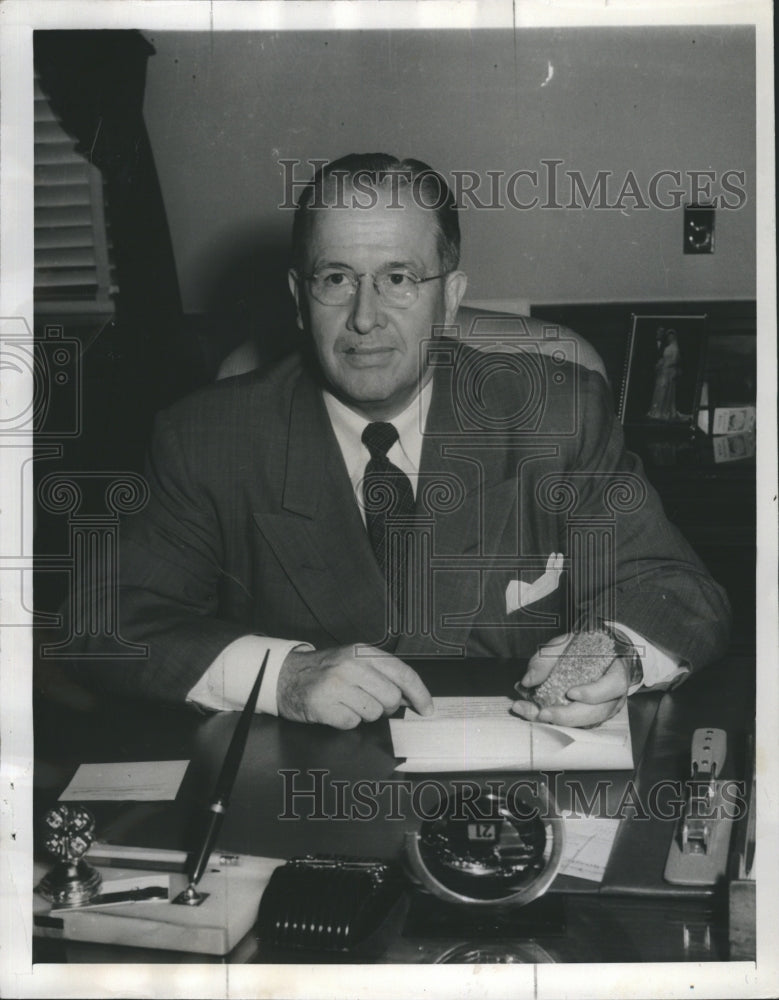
column 699, row 851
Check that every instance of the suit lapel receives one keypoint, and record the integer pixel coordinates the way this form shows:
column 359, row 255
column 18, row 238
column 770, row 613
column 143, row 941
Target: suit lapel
column 471, row 532
column 320, row 539
column 449, row 471
column 319, row 535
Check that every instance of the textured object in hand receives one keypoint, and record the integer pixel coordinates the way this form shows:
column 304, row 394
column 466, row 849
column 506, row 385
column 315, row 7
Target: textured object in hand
column 587, row 657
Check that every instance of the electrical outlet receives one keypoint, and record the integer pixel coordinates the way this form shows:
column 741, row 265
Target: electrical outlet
column 699, row 229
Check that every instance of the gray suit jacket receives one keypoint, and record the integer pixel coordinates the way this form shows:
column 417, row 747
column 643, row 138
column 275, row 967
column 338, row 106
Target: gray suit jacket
column 252, row 526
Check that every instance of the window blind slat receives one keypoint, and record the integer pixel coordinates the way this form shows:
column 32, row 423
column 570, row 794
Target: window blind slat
column 62, row 194
column 71, row 215
column 63, row 173
column 66, row 277
column 63, row 236
column 73, row 266
column 52, row 131
column 52, row 300
column 42, row 112
column 51, row 153
column 65, row 257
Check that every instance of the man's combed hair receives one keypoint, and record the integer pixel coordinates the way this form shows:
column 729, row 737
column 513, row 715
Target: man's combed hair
column 383, row 174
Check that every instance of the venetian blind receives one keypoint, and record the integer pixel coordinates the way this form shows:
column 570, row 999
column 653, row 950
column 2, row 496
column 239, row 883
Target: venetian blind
column 73, row 254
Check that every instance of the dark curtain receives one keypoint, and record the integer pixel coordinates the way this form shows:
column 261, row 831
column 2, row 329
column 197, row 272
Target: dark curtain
column 95, row 84
column 140, row 361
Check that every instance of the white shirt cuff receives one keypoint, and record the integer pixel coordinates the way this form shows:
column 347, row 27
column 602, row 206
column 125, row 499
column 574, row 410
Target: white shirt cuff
column 226, row 685
column 659, row 668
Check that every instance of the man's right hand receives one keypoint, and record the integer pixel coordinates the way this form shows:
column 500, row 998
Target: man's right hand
column 340, row 689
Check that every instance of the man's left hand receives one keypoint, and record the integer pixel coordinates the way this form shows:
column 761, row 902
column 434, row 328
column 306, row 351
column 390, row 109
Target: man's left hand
column 594, row 702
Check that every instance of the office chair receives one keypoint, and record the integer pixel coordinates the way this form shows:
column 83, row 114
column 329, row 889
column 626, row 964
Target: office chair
column 477, row 327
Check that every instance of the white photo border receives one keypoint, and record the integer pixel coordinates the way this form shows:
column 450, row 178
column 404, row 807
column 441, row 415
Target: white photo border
column 18, row 978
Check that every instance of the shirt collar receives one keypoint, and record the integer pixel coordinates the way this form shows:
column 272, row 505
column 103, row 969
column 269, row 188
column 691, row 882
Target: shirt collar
column 410, row 423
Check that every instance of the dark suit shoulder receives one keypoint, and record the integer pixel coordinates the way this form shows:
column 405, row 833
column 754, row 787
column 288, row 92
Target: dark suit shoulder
column 522, row 390
column 261, row 392
column 231, row 432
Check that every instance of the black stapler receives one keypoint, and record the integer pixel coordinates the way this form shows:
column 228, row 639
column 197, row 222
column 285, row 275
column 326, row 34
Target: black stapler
column 699, row 850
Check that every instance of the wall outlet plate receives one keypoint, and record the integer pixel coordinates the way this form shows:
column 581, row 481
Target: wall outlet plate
column 699, row 229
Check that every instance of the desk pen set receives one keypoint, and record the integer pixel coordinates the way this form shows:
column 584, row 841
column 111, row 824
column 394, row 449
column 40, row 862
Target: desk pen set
column 477, row 863
column 312, row 903
column 320, row 903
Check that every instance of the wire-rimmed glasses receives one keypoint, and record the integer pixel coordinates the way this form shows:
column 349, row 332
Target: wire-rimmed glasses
column 395, row 286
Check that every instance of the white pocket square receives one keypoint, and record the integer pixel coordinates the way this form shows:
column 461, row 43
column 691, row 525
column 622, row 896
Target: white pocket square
column 520, row 594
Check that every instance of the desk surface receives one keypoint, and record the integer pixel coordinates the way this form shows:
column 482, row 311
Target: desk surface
column 633, row 916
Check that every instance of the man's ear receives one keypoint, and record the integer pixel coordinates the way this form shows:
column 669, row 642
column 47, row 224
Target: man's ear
column 294, row 286
column 455, row 284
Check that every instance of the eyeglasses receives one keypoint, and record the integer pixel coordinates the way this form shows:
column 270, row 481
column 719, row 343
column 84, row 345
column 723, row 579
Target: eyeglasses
column 395, row 286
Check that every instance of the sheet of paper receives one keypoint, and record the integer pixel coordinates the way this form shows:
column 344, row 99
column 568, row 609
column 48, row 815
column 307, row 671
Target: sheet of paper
column 481, row 734
column 588, row 843
column 134, row 781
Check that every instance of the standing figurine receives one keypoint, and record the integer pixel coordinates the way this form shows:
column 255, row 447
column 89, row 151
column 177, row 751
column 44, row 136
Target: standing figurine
column 667, row 370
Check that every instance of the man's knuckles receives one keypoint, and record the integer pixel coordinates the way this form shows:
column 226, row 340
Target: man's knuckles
column 538, row 669
column 613, row 685
column 581, row 714
column 340, row 717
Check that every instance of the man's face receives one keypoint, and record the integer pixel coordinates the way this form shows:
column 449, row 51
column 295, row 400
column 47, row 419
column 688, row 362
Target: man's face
column 369, row 352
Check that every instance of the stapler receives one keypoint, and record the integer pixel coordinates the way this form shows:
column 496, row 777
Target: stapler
column 699, row 850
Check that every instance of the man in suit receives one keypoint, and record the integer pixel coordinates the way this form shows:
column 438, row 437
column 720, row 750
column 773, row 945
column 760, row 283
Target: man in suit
column 390, row 491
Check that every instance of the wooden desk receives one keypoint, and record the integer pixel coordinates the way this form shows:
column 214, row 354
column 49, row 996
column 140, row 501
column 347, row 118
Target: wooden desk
column 606, row 923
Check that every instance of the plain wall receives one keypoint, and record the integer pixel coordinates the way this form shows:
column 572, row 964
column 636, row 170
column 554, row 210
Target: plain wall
column 223, row 109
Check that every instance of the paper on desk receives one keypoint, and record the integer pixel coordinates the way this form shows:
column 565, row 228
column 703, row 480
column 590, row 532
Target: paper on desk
column 481, row 734
column 588, row 843
column 145, row 780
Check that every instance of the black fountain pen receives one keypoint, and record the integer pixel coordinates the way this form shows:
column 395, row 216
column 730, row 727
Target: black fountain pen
column 221, row 797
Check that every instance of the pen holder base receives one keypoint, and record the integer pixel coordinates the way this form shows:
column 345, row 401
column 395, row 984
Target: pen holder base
column 70, row 883
column 190, row 897
column 234, row 889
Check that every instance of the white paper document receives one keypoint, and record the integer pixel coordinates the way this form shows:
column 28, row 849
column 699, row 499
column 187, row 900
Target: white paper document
column 135, row 781
column 482, row 734
column 588, row 843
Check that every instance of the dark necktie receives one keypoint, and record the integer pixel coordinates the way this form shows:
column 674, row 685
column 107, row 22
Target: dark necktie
column 387, row 495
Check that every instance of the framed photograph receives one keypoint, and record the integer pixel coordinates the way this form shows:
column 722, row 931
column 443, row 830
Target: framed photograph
column 661, row 384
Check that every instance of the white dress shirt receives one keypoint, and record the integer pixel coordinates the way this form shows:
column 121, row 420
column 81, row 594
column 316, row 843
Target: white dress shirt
column 227, row 682
column 406, row 453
